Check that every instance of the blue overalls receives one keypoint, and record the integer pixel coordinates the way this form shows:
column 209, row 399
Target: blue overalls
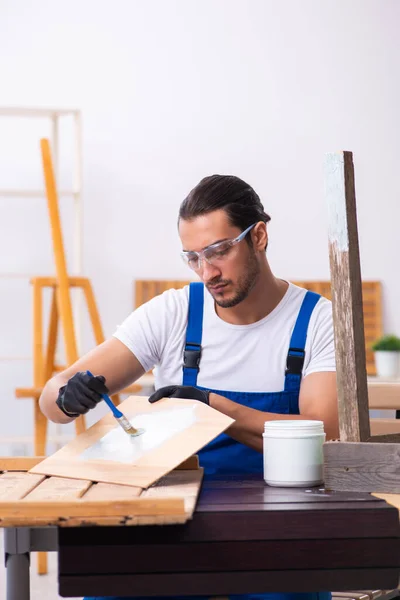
column 224, row 454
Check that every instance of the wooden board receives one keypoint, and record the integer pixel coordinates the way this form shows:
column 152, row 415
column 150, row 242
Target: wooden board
column 146, row 289
column 364, row 466
column 28, row 499
column 174, row 430
column 348, row 319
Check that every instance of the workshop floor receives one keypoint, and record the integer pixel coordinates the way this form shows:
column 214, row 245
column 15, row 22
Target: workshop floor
column 43, row 587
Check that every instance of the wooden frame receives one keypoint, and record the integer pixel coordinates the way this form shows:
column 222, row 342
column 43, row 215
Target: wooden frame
column 354, row 463
column 146, row 289
column 147, row 458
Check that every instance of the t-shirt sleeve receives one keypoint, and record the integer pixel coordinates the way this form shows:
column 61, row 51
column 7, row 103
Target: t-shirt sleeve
column 147, row 329
column 321, row 343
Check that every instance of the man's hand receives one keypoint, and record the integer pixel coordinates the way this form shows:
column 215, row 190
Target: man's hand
column 81, row 394
column 180, row 391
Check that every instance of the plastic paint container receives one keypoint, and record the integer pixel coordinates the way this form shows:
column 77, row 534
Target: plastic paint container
column 293, row 455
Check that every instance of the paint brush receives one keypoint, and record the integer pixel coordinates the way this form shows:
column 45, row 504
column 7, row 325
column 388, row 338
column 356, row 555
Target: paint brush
column 121, row 419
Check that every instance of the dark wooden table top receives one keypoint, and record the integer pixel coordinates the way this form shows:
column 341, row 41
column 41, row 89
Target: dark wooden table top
column 245, row 537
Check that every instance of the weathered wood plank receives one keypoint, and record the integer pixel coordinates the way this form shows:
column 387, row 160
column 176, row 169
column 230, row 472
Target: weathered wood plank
column 347, row 298
column 362, row 467
column 55, row 489
column 14, row 486
column 82, row 508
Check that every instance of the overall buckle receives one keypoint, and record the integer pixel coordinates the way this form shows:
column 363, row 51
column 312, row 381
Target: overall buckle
column 295, row 362
column 191, row 357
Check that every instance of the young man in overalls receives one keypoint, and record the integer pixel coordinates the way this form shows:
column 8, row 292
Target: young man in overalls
column 250, row 345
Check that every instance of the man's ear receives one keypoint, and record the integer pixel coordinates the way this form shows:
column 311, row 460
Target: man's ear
column 260, row 236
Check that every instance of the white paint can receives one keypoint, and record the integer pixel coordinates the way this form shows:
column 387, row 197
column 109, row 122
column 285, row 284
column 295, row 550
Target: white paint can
column 293, row 454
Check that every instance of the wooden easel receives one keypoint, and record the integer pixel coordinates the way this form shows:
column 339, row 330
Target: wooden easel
column 44, row 366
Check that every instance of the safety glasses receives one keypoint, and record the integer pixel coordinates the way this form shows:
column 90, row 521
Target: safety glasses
column 215, row 254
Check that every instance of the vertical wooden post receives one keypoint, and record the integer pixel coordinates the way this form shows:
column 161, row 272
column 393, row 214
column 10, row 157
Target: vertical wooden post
column 63, row 288
column 347, row 298
column 38, row 366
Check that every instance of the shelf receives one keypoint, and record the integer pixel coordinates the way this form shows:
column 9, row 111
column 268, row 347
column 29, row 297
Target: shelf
column 33, row 193
column 14, row 111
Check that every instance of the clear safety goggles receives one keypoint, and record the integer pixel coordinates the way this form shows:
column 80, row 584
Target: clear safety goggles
column 215, row 254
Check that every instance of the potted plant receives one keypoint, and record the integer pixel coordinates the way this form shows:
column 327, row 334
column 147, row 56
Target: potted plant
column 387, row 355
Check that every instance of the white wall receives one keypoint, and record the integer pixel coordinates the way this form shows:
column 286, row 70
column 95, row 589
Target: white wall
column 174, row 90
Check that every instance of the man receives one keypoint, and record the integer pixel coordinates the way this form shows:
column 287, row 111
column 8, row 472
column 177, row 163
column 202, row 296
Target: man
column 252, row 346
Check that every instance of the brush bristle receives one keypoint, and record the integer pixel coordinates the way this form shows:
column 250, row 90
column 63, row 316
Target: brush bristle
column 128, row 428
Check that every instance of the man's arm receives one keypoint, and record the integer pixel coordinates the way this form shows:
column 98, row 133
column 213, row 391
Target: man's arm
column 112, row 359
column 318, row 400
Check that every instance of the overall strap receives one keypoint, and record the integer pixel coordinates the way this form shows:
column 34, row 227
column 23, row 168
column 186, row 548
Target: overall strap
column 194, row 332
column 296, row 353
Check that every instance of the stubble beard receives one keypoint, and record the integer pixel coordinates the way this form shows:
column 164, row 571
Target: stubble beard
column 244, row 285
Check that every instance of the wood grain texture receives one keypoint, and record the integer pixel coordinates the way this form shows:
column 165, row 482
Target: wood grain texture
column 33, row 500
column 151, row 465
column 15, row 486
column 366, row 467
column 347, row 298
column 61, row 509
column 55, row 489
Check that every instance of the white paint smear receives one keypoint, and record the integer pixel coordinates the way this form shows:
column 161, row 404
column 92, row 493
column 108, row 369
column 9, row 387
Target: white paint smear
column 159, row 426
column 336, row 201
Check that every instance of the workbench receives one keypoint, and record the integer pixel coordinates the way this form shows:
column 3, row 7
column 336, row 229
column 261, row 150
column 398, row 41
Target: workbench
column 244, row 537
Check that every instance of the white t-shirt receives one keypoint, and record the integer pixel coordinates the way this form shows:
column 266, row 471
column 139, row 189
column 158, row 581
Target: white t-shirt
column 242, row 358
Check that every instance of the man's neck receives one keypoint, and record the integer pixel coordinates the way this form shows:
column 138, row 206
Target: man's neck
column 263, row 298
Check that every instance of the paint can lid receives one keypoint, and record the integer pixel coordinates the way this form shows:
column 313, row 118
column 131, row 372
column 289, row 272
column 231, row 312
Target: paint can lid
column 293, row 428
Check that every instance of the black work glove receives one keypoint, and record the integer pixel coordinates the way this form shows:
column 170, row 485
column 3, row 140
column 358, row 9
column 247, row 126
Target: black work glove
column 180, row 391
column 82, row 393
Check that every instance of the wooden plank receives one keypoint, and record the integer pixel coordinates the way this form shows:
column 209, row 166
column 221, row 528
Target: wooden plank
column 384, row 395
column 384, row 427
column 55, row 489
column 19, row 463
column 191, row 426
column 112, row 491
column 185, row 484
column 14, row 486
column 347, row 298
column 125, row 521
column 81, row 508
column 364, row 467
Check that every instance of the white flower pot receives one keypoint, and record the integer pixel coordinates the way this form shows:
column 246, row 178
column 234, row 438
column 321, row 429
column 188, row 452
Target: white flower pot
column 387, row 363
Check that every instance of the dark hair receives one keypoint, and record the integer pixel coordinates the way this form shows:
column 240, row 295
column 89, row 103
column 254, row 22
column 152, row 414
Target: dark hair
column 229, row 193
